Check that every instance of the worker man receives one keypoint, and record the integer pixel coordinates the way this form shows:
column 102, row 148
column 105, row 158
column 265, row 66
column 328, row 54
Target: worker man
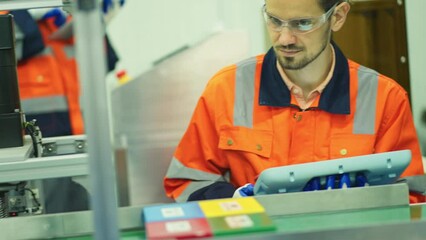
column 303, row 101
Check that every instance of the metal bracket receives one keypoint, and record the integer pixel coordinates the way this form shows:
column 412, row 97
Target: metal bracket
column 49, row 149
column 80, row 146
column 64, row 146
column 63, row 156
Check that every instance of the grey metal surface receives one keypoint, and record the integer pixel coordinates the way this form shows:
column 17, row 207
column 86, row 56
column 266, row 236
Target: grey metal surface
column 17, row 153
column 153, row 110
column 63, row 224
column 45, row 167
column 335, row 200
column 122, row 177
column 23, row 168
column 416, row 183
column 26, row 4
column 54, row 146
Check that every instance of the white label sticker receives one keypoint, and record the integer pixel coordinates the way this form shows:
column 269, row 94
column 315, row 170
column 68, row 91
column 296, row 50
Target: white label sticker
column 242, row 221
column 231, row 206
column 178, row 227
column 172, row 212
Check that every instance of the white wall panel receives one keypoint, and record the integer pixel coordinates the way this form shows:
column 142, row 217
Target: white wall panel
column 145, row 31
column 416, row 30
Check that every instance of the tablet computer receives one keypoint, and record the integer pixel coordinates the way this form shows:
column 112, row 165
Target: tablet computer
column 379, row 169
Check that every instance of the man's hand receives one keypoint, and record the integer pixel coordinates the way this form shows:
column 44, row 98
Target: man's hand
column 108, row 5
column 244, row 191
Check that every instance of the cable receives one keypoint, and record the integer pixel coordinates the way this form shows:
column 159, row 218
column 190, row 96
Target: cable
column 21, row 188
column 34, row 132
column 2, row 208
column 34, row 197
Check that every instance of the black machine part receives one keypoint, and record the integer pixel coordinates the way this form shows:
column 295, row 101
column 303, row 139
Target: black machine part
column 11, row 122
column 17, row 199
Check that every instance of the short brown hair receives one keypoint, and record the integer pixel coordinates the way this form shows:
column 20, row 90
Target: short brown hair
column 327, row 4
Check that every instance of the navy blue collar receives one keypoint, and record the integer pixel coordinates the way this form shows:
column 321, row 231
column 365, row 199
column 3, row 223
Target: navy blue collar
column 335, row 97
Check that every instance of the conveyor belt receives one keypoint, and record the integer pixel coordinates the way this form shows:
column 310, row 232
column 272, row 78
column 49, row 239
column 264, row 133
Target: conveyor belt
column 332, row 214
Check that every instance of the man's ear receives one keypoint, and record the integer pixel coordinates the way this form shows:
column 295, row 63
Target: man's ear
column 339, row 16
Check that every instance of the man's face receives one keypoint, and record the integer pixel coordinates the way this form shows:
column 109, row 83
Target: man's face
column 295, row 51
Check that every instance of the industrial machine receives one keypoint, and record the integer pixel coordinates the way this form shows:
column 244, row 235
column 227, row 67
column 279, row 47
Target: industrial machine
column 13, row 196
column 24, row 158
column 11, row 128
column 23, row 168
column 18, row 199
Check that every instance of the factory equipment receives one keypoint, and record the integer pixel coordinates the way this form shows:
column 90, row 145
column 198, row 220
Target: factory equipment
column 14, row 199
column 24, row 159
column 11, row 127
column 18, row 199
column 21, row 171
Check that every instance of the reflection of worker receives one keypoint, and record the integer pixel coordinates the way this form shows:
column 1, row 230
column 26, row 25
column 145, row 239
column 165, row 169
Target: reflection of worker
column 303, row 101
column 48, row 82
column 50, row 91
column 47, row 72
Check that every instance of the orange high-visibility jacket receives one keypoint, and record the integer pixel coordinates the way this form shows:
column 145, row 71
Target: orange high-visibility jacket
column 49, row 86
column 246, row 121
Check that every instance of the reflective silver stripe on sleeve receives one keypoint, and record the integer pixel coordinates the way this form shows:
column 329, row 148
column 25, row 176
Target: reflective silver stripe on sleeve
column 19, row 42
column 365, row 112
column 46, row 52
column 200, row 178
column 244, row 93
column 44, row 105
column 81, row 101
column 178, row 170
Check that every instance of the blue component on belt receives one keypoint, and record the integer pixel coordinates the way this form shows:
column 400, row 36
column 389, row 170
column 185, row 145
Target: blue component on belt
column 345, row 181
column 313, row 184
column 330, row 182
column 308, row 186
column 361, row 180
column 316, row 184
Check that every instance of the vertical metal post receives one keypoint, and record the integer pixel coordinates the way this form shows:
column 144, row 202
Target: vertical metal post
column 89, row 32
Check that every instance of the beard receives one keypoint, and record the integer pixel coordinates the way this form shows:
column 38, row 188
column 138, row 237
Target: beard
column 292, row 63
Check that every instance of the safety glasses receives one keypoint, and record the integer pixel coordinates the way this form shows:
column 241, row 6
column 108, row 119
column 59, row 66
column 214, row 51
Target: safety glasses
column 297, row 25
